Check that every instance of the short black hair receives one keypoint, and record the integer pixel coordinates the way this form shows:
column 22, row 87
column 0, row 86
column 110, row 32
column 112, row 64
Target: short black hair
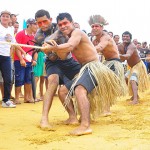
column 41, row 13
column 127, row 33
column 61, row 16
column 116, row 35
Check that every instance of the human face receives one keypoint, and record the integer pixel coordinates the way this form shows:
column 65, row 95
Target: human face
column 5, row 19
column 65, row 26
column 96, row 29
column 44, row 23
column 13, row 18
column 110, row 34
column 135, row 41
column 34, row 27
column 16, row 27
column 116, row 39
column 76, row 25
column 126, row 38
column 138, row 46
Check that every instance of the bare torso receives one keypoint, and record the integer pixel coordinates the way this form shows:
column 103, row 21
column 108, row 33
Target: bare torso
column 109, row 47
column 85, row 50
column 131, row 51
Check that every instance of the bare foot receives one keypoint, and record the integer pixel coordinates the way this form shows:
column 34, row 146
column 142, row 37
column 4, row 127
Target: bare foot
column 134, row 102
column 41, row 98
column 36, row 100
column 21, row 95
column 105, row 114
column 28, row 101
column 17, row 102
column 81, row 131
column 71, row 121
column 46, row 126
column 132, row 98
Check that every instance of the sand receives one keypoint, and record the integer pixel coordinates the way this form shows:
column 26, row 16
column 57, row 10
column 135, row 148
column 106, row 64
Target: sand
column 128, row 128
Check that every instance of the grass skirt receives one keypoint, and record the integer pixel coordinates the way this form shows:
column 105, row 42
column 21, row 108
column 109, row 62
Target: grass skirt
column 109, row 87
column 143, row 79
column 119, row 71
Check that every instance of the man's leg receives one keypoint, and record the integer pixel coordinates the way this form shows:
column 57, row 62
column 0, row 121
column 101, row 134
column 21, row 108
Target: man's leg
column 42, row 79
column 62, row 93
column 19, row 80
column 6, row 74
column 28, row 97
column 84, row 107
column 135, row 92
column 53, row 81
column 17, row 92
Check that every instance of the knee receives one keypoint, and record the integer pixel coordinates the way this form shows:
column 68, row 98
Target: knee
column 53, row 79
column 80, row 90
column 133, row 82
column 62, row 90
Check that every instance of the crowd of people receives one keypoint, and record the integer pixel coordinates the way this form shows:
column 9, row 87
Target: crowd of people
column 88, row 70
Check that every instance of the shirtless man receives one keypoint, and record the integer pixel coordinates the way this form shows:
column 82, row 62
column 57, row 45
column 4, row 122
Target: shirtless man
column 105, row 45
column 137, row 75
column 92, row 75
column 55, row 68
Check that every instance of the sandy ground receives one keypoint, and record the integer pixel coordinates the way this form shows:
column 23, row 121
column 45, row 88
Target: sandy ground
column 128, row 128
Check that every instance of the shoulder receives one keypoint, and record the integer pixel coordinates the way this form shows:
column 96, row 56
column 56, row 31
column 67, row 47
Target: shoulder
column 20, row 33
column 105, row 36
column 39, row 31
column 76, row 32
column 120, row 46
column 131, row 46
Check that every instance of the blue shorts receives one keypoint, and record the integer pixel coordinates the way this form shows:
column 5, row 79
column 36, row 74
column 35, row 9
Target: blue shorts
column 66, row 69
column 22, row 74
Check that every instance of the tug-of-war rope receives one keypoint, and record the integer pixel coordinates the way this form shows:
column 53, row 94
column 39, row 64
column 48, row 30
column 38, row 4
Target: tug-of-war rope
column 35, row 47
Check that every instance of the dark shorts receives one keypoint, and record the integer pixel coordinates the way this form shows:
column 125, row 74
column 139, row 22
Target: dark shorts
column 66, row 69
column 22, row 74
column 85, row 80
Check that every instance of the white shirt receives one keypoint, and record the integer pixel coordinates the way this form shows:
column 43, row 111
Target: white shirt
column 6, row 35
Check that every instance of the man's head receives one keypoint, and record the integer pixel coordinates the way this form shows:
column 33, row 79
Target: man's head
column 43, row 19
column 138, row 46
column 76, row 25
column 111, row 34
column 126, row 37
column 5, row 12
column 5, row 17
column 135, row 41
column 116, row 38
column 144, row 44
column 16, row 27
column 31, row 24
column 65, row 23
column 30, row 21
column 13, row 18
column 97, row 22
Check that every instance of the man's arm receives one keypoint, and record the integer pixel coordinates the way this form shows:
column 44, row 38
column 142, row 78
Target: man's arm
column 128, row 54
column 103, row 43
column 22, row 61
column 73, row 41
column 20, row 49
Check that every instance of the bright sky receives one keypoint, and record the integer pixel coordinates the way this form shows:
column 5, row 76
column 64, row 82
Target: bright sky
column 122, row 15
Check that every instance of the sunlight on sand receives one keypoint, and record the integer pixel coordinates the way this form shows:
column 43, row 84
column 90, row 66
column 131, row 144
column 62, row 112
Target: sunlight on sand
column 128, row 128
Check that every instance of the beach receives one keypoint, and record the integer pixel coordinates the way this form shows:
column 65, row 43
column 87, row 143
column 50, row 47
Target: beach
column 128, row 128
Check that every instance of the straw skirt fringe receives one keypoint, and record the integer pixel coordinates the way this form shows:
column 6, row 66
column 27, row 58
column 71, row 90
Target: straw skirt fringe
column 143, row 79
column 119, row 71
column 108, row 89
